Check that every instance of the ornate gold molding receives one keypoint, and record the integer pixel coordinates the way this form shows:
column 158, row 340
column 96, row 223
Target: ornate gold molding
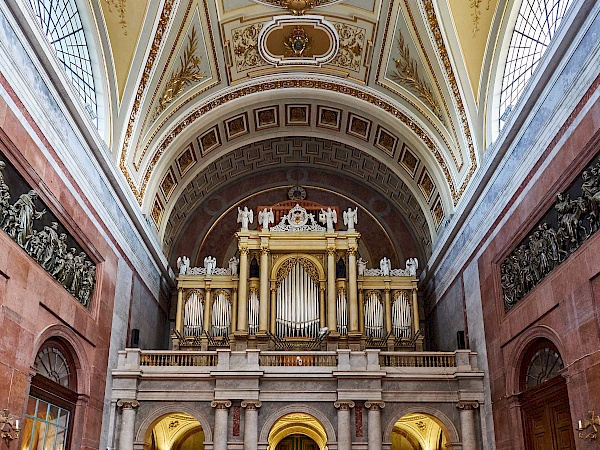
column 294, row 84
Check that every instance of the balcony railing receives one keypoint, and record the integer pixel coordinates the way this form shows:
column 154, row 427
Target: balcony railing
column 340, row 360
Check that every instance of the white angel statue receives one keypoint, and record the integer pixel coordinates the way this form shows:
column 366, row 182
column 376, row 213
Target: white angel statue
column 245, row 217
column 329, row 217
column 411, row 266
column 351, row 218
column 183, row 264
column 385, row 265
column 265, row 217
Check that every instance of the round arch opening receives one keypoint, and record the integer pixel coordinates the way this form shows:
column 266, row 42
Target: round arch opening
column 416, row 431
column 175, row 431
column 297, row 427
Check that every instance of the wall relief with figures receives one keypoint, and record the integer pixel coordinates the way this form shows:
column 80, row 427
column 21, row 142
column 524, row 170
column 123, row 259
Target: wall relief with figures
column 574, row 217
column 24, row 217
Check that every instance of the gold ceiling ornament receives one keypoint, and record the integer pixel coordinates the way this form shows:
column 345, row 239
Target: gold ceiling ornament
column 406, row 73
column 476, row 13
column 121, row 8
column 189, row 72
column 298, row 7
column 298, row 43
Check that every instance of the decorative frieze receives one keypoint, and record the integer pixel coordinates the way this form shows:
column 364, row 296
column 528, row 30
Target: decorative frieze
column 560, row 233
column 26, row 220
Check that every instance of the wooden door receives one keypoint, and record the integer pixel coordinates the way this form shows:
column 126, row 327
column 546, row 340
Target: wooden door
column 547, row 418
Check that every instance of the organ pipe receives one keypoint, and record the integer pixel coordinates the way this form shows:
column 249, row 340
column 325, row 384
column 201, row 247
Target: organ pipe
column 193, row 316
column 221, row 315
column 402, row 315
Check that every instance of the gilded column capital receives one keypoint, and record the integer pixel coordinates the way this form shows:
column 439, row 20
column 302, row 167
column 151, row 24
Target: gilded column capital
column 264, row 250
column 180, row 290
column 374, row 405
column 221, row 404
column 351, row 252
column 344, row 405
column 128, row 404
column 244, row 250
column 331, row 251
column 467, row 406
column 251, row 404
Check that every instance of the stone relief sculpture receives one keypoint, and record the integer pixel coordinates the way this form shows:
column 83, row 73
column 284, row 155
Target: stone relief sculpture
column 245, row 217
column 265, row 217
column 351, row 218
column 547, row 246
column 328, row 217
column 72, row 269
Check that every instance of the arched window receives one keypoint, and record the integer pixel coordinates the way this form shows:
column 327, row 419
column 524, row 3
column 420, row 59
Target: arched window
column 542, row 363
column 52, row 398
column 61, row 23
column 536, row 25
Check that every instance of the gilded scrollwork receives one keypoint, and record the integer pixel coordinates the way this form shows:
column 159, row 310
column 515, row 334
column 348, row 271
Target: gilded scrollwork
column 352, row 42
column 189, row 72
column 45, row 243
column 407, row 74
column 560, row 233
column 245, row 47
column 289, row 264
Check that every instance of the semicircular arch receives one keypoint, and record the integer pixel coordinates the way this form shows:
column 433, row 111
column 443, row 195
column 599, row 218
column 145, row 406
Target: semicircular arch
column 438, row 416
column 272, row 419
column 157, row 414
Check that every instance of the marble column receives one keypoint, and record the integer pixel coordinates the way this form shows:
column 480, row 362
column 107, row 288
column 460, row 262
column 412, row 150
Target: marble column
column 220, row 431
column 179, row 316
column 251, row 424
column 242, row 317
column 374, row 426
column 207, row 312
column 352, row 292
column 344, row 428
column 263, row 300
column 127, row 423
column 331, row 300
column 467, row 424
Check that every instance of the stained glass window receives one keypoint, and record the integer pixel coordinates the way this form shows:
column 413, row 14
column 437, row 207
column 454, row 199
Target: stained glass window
column 62, row 25
column 535, row 27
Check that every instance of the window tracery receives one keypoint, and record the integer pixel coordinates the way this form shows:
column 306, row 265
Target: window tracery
column 61, row 23
column 536, row 25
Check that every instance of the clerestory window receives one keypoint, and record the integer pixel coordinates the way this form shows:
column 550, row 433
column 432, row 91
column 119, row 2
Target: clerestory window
column 63, row 27
column 536, row 25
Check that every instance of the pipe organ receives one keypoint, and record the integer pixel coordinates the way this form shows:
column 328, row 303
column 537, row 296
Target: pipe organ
column 298, row 296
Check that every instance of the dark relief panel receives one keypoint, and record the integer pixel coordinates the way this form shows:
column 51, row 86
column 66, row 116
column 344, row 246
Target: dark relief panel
column 25, row 218
column 570, row 222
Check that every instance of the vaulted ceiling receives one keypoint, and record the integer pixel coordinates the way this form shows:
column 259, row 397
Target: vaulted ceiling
column 399, row 110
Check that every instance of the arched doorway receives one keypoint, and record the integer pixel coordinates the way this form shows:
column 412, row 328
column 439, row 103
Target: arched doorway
column 418, row 432
column 297, row 431
column 176, row 431
column 544, row 399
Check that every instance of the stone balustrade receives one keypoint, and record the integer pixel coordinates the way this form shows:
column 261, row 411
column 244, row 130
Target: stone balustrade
column 340, row 360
